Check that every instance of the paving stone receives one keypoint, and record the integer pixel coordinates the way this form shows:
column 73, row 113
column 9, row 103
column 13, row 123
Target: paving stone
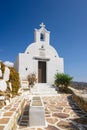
column 8, row 113
column 59, row 107
column 52, row 108
column 53, row 103
column 13, row 109
column 67, row 110
column 4, row 120
column 7, row 108
column 52, row 120
column 36, row 98
column 68, row 107
column 61, row 104
column 1, row 127
column 57, row 110
column 51, row 128
column 45, row 103
column 47, row 112
column 31, row 129
column 22, row 127
column 66, row 125
column 48, row 115
column 39, row 129
column 61, row 115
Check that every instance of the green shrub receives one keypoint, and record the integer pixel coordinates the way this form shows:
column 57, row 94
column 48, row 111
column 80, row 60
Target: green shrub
column 14, row 79
column 62, row 81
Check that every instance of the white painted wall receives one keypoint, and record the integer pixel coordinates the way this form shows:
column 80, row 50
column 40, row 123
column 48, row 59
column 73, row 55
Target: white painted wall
column 3, row 85
column 37, row 35
column 27, row 64
column 6, row 73
column 26, row 61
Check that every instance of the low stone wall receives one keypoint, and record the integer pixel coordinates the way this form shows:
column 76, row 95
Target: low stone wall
column 36, row 113
column 80, row 97
column 10, row 114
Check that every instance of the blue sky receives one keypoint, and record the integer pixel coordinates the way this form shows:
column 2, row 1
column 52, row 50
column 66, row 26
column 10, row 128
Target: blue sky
column 65, row 19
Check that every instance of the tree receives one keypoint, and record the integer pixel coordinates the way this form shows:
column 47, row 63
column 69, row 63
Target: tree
column 62, row 81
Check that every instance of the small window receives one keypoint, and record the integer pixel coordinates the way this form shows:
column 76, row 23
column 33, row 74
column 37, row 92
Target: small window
column 26, row 69
column 42, row 37
column 42, row 46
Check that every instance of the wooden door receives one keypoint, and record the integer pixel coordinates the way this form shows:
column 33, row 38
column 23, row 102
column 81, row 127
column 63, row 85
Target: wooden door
column 41, row 72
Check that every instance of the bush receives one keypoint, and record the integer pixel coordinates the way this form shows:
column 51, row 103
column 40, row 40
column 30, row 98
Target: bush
column 32, row 79
column 3, row 69
column 14, row 79
column 62, row 81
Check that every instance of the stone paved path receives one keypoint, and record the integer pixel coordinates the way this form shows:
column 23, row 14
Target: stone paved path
column 61, row 114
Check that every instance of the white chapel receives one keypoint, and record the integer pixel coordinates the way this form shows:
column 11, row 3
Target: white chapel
column 39, row 58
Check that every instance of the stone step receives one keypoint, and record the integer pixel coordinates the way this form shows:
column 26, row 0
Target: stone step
column 46, row 90
column 43, row 89
column 45, row 94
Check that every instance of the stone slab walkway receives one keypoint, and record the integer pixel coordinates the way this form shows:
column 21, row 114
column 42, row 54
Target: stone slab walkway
column 61, row 114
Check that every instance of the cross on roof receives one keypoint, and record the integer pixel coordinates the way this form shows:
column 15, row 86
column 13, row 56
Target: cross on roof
column 42, row 25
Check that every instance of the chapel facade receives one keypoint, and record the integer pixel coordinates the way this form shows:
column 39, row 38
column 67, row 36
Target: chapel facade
column 39, row 58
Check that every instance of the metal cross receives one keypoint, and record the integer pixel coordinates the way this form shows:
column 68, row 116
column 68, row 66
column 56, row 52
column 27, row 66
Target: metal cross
column 42, row 25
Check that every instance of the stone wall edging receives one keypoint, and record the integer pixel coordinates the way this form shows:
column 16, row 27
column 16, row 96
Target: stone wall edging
column 79, row 98
column 18, row 106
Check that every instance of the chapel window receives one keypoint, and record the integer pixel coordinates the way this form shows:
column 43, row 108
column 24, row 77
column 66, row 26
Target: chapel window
column 26, row 69
column 42, row 37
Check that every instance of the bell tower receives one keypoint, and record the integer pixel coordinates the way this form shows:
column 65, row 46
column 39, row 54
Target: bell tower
column 42, row 35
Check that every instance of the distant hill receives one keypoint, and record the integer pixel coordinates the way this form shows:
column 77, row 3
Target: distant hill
column 79, row 85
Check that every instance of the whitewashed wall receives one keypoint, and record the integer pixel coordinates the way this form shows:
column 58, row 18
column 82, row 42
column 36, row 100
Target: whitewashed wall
column 26, row 64
column 6, row 74
column 3, row 84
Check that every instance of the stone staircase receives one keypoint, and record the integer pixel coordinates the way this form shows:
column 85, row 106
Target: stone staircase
column 43, row 89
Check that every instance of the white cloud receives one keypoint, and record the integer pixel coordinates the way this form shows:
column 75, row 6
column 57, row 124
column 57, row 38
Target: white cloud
column 9, row 64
